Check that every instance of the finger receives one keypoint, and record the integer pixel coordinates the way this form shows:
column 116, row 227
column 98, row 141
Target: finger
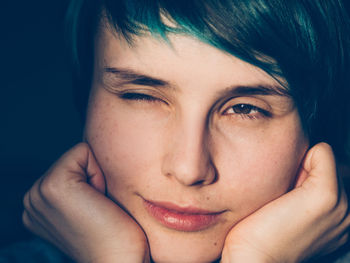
column 33, row 225
column 65, row 188
column 76, row 166
column 95, row 176
column 31, row 203
column 33, row 215
column 320, row 168
column 337, row 242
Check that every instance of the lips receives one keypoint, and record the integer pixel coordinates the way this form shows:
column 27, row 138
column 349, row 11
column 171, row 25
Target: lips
column 182, row 219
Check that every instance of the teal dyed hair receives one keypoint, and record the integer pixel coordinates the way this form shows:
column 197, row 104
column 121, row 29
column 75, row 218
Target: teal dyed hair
column 306, row 42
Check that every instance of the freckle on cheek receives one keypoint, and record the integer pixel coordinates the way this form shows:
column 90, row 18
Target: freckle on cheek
column 215, row 244
column 208, row 198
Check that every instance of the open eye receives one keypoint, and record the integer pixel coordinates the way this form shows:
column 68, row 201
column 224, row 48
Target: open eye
column 246, row 110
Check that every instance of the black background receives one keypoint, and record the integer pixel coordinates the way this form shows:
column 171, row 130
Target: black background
column 38, row 121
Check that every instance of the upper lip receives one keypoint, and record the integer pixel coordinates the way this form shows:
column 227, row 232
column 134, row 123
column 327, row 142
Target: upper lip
column 182, row 209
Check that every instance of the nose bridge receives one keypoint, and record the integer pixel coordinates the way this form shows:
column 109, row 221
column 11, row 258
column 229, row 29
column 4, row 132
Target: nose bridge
column 188, row 157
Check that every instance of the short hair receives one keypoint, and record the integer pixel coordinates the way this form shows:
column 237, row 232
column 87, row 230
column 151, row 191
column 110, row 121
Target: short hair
column 306, row 42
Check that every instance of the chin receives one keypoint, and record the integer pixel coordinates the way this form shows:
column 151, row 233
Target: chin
column 171, row 246
column 185, row 256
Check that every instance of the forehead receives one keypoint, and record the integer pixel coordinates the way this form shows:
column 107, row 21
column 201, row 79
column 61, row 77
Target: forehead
column 183, row 59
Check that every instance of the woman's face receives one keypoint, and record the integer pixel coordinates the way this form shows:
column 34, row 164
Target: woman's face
column 191, row 140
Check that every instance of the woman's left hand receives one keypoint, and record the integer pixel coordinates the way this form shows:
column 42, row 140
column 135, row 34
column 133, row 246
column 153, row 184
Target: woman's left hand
column 310, row 220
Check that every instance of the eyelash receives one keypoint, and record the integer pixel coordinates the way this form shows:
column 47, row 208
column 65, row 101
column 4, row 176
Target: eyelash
column 241, row 106
column 258, row 112
column 138, row 97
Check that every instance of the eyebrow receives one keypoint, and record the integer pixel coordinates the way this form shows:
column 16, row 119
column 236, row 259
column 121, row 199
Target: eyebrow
column 128, row 76
column 265, row 90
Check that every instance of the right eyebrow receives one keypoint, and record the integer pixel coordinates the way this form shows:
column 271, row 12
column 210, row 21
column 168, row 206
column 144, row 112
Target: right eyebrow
column 128, row 76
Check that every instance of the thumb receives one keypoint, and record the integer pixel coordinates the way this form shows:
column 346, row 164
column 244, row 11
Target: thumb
column 83, row 167
column 318, row 167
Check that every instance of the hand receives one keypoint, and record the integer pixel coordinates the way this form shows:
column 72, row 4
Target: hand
column 311, row 219
column 68, row 208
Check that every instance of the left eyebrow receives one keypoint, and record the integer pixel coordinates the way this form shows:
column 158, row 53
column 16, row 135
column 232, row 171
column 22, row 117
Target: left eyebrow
column 264, row 90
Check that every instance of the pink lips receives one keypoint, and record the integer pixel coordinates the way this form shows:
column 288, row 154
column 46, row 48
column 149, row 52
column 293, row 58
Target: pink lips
column 182, row 219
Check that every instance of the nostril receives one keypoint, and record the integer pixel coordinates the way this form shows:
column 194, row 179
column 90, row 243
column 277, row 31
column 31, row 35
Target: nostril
column 200, row 182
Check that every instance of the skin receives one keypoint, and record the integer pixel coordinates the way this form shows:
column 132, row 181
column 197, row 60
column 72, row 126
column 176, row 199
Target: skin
column 189, row 144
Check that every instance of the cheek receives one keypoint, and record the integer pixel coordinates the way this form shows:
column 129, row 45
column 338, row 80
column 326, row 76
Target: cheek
column 126, row 146
column 259, row 166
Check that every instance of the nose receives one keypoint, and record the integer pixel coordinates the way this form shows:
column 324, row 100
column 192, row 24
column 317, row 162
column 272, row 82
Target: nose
column 188, row 158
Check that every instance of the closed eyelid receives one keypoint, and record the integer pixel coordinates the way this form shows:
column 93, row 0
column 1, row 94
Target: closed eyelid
column 136, row 96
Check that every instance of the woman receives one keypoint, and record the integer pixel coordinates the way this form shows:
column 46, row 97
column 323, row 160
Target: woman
column 206, row 136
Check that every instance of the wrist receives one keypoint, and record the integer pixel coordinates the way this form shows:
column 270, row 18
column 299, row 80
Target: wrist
column 238, row 255
column 136, row 254
column 130, row 257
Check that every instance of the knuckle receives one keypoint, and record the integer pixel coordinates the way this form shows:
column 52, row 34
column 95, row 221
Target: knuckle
column 48, row 190
column 30, row 202
column 26, row 220
column 52, row 193
column 77, row 150
column 29, row 223
column 82, row 145
column 339, row 211
column 344, row 208
column 347, row 220
column 33, row 202
column 329, row 201
column 344, row 239
column 26, row 201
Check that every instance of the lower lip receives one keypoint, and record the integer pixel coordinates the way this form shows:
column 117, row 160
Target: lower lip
column 188, row 222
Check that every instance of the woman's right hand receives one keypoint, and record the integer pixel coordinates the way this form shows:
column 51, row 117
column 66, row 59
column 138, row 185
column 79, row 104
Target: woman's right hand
column 67, row 207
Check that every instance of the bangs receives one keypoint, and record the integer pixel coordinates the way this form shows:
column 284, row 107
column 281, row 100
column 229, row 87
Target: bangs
column 221, row 24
